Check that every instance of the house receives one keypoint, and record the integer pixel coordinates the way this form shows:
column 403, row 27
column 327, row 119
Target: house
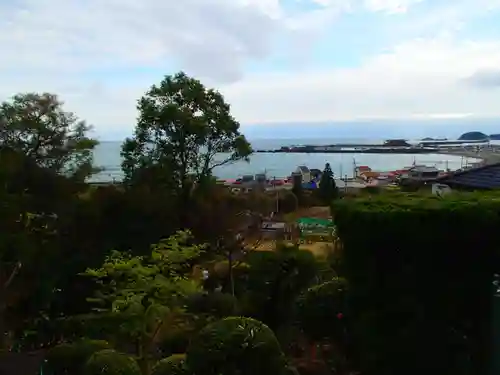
column 274, row 230
column 305, row 172
column 423, row 173
column 483, row 178
column 396, row 143
column 315, row 173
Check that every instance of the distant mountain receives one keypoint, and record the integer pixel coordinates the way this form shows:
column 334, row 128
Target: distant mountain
column 473, row 136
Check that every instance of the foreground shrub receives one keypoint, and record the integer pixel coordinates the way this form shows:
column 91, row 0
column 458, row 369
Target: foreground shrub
column 111, row 362
column 70, row 358
column 173, row 365
column 273, row 281
column 321, row 310
column 236, row 346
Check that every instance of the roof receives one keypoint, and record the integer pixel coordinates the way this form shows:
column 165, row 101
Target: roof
column 303, row 169
column 486, row 177
column 273, row 225
column 424, row 168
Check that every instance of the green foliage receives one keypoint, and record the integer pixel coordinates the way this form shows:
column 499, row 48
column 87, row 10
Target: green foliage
column 420, row 271
column 273, row 281
column 181, row 129
column 327, row 187
column 144, row 295
column 173, row 365
column 235, row 346
column 319, row 308
column 66, row 359
column 110, row 362
column 37, row 126
column 287, row 202
column 216, row 304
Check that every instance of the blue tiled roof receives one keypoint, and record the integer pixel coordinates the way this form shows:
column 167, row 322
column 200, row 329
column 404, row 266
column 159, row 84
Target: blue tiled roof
column 487, row 177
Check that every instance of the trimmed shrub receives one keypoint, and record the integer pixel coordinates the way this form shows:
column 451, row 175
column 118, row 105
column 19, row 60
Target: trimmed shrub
column 70, row 358
column 235, row 346
column 273, row 282
column 322, row 309
column 173, row 365
column 420, row 271
column 111, row 362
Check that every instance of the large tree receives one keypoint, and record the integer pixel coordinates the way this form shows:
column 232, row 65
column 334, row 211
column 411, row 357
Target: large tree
column 37, row 126
column 327, row 187
column 184, row 131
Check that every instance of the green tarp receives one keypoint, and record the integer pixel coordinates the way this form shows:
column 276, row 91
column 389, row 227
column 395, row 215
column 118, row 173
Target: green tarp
column 315, row 226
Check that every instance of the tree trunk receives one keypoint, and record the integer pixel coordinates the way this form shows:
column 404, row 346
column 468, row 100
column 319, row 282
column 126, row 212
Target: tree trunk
column 231, row 275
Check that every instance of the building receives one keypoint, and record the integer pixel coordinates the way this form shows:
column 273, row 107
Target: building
column 483, row 178
column 305, row 172
column 275, row 230
column 396, row 143
column 421, row 173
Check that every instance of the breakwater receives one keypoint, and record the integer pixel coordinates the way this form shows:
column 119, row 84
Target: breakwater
column 352, row 150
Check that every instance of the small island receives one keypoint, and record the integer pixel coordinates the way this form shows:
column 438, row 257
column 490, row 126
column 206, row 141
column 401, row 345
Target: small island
column 473, row 136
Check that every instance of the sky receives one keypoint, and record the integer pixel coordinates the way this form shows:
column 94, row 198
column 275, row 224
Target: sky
column 313, row 63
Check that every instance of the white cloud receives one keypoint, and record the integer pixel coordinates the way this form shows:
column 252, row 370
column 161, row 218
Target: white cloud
column 417, row 78
column 56, row 45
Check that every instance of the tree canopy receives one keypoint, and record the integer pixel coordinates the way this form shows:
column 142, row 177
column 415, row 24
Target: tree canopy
column 183, row 132
column 327, row 187
column 37, row 126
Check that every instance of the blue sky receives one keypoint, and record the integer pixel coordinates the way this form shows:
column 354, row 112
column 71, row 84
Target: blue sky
column 327, row 62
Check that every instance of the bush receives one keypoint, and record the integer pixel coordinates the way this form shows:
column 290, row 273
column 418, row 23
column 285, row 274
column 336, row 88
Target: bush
column 70, row 358
column 110, row 362
column 236, row 346
column 218, row 305
column 319, row 310
column 173, row 365
column 420, row 270
column 273, row 282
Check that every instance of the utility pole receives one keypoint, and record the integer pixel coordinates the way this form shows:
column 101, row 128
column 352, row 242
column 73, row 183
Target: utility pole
column 277, row 194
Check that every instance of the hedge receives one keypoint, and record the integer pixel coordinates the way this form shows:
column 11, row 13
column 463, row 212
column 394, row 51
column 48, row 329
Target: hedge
column 420, row 272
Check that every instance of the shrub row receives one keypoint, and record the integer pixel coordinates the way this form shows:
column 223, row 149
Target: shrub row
column 229, row 346
column 420, row 271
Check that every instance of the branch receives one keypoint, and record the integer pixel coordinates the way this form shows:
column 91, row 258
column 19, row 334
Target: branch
column 12, row 275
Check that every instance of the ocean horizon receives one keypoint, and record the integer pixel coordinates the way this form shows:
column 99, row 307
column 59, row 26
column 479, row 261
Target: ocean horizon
column 107, row 156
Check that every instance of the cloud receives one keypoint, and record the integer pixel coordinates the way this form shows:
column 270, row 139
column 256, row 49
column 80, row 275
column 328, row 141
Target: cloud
column 486, row 79
column 102, row 55
column 416, row 78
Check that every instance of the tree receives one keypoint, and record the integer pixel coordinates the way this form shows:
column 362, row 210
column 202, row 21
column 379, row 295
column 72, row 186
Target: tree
column 37, row 126
column 327, row 187
column 183, row 132
column 146, row 294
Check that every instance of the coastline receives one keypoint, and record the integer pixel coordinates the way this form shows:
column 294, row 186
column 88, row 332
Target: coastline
column 485, row 156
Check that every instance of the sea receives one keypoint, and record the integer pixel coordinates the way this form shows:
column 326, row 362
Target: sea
column 107, row 157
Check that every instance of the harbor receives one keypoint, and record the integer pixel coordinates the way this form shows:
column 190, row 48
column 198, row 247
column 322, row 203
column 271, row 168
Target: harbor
column 282, row 164
column 393, row 146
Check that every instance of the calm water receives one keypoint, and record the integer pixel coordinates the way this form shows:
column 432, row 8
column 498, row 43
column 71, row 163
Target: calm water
column 107, row 156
